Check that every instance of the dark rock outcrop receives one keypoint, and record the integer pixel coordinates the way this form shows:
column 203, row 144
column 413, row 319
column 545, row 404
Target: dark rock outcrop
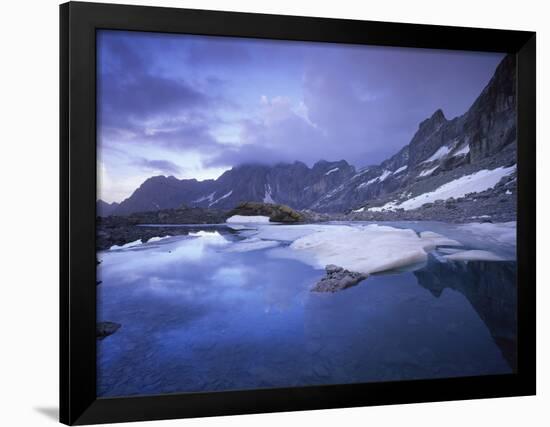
column 104, row 329
column 275, row 212
column 338, row 279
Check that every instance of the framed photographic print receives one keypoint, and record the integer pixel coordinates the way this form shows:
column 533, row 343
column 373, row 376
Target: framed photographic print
column 272, row 213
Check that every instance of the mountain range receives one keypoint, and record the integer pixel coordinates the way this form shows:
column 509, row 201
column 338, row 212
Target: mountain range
column 441, row 151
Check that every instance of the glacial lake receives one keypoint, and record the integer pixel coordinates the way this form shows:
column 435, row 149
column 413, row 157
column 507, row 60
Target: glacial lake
column 197, row 316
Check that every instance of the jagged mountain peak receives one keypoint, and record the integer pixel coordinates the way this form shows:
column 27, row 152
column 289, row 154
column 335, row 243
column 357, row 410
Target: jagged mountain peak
column 436, row 119
column 442, row 150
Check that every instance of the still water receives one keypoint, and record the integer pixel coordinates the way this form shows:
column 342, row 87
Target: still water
column 197, row 317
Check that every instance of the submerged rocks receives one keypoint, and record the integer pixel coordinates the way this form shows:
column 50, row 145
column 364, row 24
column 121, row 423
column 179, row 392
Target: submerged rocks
column 104, row 329
column 275, row 212
column 337, row 279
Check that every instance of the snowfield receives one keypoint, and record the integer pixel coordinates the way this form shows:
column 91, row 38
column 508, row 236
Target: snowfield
column 474, row 183
column 442, row 152
column 369, row 249
column 243, row 219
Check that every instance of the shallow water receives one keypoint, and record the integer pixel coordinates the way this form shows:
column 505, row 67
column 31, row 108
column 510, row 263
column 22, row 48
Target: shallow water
column 197, row 318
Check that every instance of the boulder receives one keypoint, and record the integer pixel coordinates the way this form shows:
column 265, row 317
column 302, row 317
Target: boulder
column 337, row 279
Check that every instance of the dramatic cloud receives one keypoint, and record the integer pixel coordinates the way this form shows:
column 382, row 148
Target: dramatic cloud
column 164, row 166
column 205, row 104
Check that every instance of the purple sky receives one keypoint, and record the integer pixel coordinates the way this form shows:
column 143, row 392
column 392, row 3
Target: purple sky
column 194, row 106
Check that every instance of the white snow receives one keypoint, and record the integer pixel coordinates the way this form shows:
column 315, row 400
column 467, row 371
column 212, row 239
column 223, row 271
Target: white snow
column 359, row 210
column 501, row 232
column 126, row 245
column 384, row 175
column 361, row 172
column 380, row 178
column 208, row 197
column 473, row 255
column 399, row 170
column 289, row 233
column 242, row 219
column 390, row 206
column 156, row 239
column 508, row 192
column 267, row 195
column 442, row 152
column 428, row 171
column 474, row 183
column 436, row 239
column 203, row 233
column 365, row 248
column 252, row 244
column 210, row 238
column 332, row 171
column 463, row 151
column 369, row 249
column 221, row 198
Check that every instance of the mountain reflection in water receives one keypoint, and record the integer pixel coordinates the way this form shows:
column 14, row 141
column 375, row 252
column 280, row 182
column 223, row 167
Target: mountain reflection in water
column 491, row 289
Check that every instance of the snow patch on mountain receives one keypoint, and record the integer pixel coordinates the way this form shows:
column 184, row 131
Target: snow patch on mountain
column 225, row 196
column 399, row 170
column 474, row 183
column 267, row 195
column 463, row 151
column 428, row 172
column 332, row 171
column 440, row 153
column 208, row 197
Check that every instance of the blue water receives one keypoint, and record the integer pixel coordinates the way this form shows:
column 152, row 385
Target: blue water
column 196, row 318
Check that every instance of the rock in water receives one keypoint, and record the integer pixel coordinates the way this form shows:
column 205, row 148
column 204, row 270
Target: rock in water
column 337, row 279
column 104, row 329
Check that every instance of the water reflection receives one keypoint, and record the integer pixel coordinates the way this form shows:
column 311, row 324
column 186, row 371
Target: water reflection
column 490, row 288
column 197, row 317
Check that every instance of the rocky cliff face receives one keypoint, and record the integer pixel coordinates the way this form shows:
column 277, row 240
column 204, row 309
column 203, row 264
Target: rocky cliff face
column 293, row 184
column 440, row 152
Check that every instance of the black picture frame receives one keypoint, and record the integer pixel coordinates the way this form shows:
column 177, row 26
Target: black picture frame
column 78, row 25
